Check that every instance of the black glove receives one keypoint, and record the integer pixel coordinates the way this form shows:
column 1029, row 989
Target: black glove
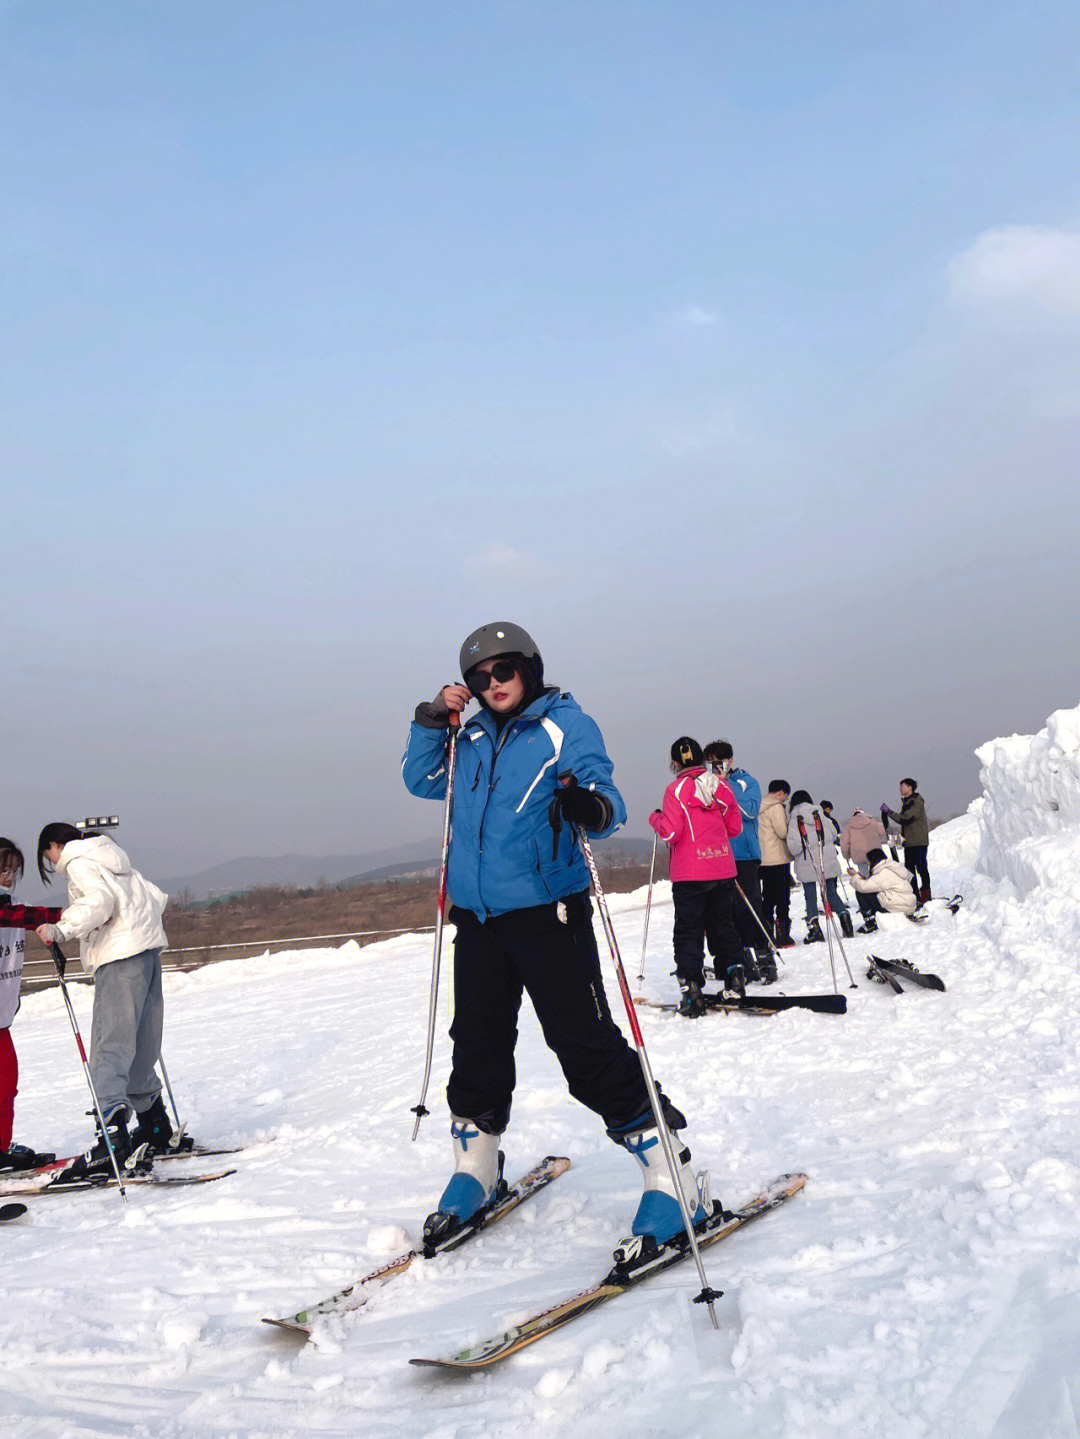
column 433, row 715
column 577, row 806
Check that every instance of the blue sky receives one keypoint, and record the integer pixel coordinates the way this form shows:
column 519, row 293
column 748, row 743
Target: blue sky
column 735, row 354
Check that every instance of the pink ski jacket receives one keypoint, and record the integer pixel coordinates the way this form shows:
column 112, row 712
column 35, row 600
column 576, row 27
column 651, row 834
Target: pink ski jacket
column 699, row 816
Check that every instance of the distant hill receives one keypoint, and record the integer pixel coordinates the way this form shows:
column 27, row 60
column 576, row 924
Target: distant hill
column 305, row 871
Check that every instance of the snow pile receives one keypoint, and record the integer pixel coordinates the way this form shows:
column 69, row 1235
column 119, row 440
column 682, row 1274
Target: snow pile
column 1029, row 813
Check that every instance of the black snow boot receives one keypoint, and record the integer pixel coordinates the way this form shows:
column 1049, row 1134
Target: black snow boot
column 21, row 1156
column 155, row 1131
column 869, row 927
column 767, row 968
column 692, row 1004
column 813, row 933
column 735, row 981
column 783, row 935
column 847, row 929
column 96, row 1163
column 750, row 966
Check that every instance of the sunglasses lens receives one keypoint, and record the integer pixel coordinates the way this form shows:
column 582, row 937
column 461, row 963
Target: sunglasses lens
column 479, row 681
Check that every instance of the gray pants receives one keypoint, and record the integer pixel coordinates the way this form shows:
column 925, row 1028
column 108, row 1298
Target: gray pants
column 125, row 1037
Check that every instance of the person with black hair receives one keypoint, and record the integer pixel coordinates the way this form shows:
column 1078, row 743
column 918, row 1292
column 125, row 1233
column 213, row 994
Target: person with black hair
column 886, row 889
column 827, row 811
column 807, row 861
column 115, row 914
column 775, row 869
column 746, row 851
column 518, row 887
column 15, row 920
column 915, row 828
column 698, row 820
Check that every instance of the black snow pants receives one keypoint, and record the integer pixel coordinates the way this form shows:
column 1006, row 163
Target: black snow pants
column 915, row 861
column 705, row 909
column 748, row 877
column 775, row 897
column 548, row 950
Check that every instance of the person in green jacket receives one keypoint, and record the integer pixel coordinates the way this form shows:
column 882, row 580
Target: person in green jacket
column 911, row 817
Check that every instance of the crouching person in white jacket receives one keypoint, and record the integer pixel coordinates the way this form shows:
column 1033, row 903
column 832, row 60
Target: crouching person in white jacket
column 115, row 914
column 885, row 890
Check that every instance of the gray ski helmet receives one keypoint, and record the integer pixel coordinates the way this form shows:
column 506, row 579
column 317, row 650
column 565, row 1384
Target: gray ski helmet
column 500, row 638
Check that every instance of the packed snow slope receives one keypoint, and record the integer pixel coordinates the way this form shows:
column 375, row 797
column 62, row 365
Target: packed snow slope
column 925, row 1283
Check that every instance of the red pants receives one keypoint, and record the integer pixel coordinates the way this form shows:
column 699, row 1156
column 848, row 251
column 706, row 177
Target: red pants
column 9, row 1087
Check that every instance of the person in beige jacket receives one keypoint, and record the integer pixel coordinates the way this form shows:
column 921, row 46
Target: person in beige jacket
column 775, row 872
column 115, row 914
column 885, row 890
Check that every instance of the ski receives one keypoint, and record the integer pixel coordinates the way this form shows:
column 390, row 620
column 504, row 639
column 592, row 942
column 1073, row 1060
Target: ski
column 198, row 1151
column 904, row 970
column 617, row 1281
column 47, row 1180
column 735, row 1008
column 769, row 1003
column 11, row 1211
column 877, row 972
column 356, row 1295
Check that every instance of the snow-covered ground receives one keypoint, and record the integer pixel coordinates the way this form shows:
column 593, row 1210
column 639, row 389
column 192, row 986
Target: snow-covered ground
column 926, row 1282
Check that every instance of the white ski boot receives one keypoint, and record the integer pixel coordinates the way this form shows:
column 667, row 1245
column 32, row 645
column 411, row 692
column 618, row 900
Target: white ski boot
column 659, row 1217
column 476, row 1182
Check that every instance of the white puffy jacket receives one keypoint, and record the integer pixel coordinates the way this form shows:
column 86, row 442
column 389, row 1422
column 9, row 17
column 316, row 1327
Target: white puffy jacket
column 891, row 882
column 112, row 910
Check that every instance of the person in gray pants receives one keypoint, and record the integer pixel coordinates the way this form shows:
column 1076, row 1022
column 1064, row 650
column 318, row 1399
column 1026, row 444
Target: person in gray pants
column 115, row 913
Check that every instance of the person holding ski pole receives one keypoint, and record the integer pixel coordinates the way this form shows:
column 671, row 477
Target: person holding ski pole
column 802, row 806
column 746, row 851
column 531, row 767
column 775, row 872
column 916, row 831
column 697, row 821
column 115, row 914
column 15, row 920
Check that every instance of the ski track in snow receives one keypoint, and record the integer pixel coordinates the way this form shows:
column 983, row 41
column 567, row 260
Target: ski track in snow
column 925, row 1283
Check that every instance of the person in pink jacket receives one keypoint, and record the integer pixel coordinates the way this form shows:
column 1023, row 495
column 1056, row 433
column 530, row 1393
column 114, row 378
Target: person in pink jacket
column 698, row 818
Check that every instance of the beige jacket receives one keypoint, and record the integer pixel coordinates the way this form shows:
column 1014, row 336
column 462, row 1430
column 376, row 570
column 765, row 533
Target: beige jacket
column 112, row 910
column 891, row 882
column 772, row 830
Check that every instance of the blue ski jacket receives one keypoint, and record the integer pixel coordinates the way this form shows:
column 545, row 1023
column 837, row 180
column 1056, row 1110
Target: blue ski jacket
column 748, row 793
column 500, row 839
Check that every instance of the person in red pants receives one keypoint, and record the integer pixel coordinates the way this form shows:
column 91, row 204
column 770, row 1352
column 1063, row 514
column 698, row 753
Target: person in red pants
column 15, row 920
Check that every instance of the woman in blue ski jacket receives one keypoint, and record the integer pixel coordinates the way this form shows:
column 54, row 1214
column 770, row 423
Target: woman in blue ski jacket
column 530, row 767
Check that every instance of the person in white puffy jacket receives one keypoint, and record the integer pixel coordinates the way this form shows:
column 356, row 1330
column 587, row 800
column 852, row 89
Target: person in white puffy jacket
column 886, row 890
column 115, row 914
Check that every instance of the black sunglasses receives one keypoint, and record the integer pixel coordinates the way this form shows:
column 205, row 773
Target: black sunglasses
column 479, row 681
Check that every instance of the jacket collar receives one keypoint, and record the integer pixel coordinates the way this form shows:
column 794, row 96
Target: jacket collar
column 539, row 707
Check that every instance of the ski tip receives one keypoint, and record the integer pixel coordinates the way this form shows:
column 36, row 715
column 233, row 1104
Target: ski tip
column 11, row 1211
column 290, row 1326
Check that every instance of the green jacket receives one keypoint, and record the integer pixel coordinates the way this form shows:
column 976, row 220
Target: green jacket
column 912, row 820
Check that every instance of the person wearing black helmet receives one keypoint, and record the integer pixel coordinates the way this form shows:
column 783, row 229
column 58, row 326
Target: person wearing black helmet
column 698, row 819
column 518, row 888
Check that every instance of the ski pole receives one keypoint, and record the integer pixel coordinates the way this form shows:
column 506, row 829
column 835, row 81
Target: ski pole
column 708, row 1295
column 172, row 1098
column 760, row 924
column 419, row 1109
column 648, row 908
column 60, row 961
column 831, row 926
column 819, row 880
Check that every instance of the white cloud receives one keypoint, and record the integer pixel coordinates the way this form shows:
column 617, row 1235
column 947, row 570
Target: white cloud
column 1030, row 265
column 503, row 562
column 696, row 315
